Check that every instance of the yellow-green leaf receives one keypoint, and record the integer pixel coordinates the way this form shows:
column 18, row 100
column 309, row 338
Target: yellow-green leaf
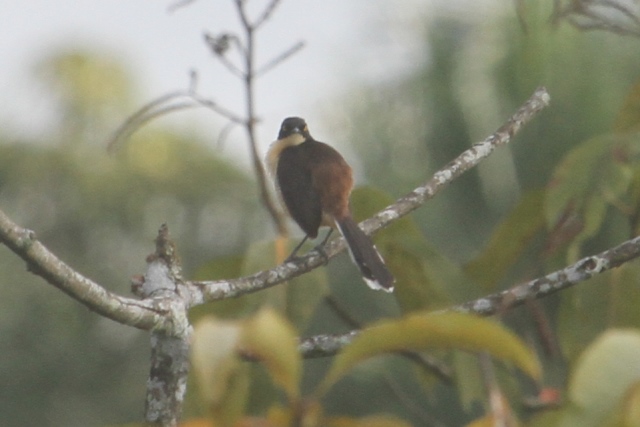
column 577, row 175
column 627, row 412
column 595, row 175
column 607, row 369
column 222, row 378
column 421, row 272
column 628, row 119
column 271, row 339
column 303, row 294
column 298, row 298
column 371, row 421
column 584, row 312
column 470, row 384
column 630, row 411
column 422, row 331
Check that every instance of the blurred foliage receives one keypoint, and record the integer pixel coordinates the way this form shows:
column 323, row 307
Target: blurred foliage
column 271, row 339
column 568, row 186
column 100, row 213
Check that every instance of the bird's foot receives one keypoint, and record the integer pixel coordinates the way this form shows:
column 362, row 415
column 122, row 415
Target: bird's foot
column 323, row 254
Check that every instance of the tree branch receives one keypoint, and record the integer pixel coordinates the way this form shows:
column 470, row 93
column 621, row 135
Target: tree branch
column 167, row 383
column 328, row 345
column 41, row 261
column 203, row 291
column 249, row 78
column 151, row 313
column 166, row 104
column 580, row 271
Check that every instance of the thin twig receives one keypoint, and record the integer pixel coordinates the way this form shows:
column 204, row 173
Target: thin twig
column 280, row 59
column 408, row 401
column 425, row 362
column 213, row 106
column 219, row 46
column 244, row 19
column 179, row 5
column 343, row 314
column 499, row 409
column 266, row 14
column 224, row 134
column 249, row 74
column 158, row 107
column 130, row 124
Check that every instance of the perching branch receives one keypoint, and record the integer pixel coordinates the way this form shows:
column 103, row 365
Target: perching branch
column 145, row 314
column 586, row 268
column 608, row 15
column 204, row 291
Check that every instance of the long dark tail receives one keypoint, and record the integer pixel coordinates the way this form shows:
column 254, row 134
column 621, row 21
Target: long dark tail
column 365, row 255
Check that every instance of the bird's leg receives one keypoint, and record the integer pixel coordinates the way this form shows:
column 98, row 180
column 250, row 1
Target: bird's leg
column 293, row 256
column 320, row 248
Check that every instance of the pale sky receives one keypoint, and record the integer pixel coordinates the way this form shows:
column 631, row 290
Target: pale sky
column 346, row 42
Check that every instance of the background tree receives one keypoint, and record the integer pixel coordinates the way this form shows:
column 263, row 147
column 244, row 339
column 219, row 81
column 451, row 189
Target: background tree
column 565, row 190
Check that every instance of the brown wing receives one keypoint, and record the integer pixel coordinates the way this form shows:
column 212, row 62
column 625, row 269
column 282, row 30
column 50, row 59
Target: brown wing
column 332, row 180
column 299, row 195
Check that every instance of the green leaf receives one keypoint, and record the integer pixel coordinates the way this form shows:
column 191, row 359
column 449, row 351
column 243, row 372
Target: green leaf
column 222, row 378
column 421, row 272
column 371, row 421
column 627, row 413
column 576, row 176
column 271, row 339
column 606, row 370
column 628, row 119
column 261, row 255
column 303, row 294
column 594, row 213
column 512, row 236
column 298, row 298
column 470, row 385
column 624, row 296
column 591, row 177
column 422, row 331
column 607, row 300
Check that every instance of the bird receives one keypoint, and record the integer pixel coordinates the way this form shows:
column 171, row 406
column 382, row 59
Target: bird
column 314, row 181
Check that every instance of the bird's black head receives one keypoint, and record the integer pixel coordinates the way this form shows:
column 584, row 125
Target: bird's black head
column 293, row 125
